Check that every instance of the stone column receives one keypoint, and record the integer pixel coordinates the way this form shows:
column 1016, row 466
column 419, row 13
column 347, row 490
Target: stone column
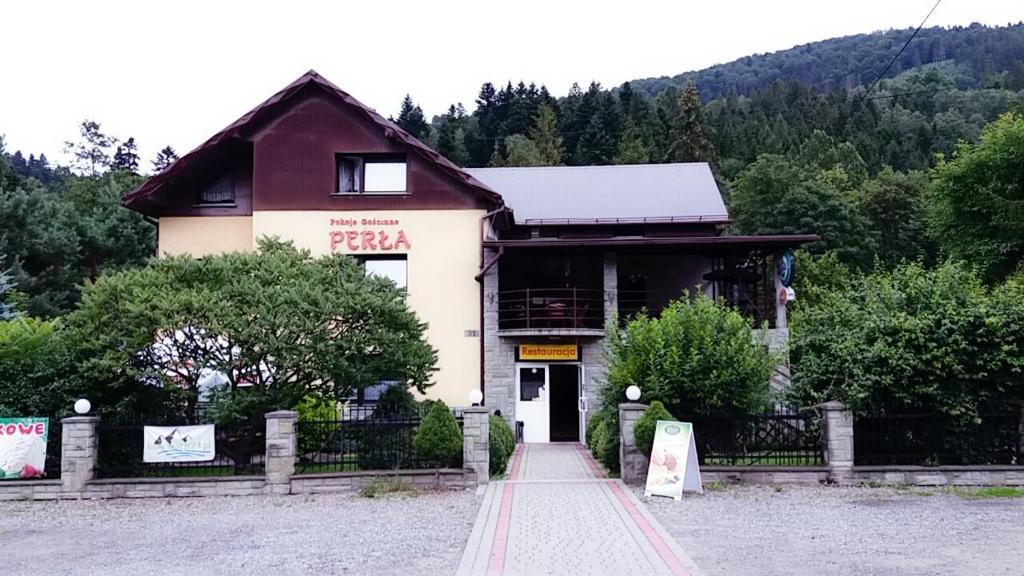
column 79, row 446
column 632, row 463
column 837, row 423
column 611, row 286
column 476, row 442
column 282, row 447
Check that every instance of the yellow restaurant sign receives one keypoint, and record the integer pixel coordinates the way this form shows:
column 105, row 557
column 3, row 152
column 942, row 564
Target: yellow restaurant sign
column 548, row 352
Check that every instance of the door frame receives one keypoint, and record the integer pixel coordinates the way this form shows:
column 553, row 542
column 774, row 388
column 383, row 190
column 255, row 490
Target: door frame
column 582, row 402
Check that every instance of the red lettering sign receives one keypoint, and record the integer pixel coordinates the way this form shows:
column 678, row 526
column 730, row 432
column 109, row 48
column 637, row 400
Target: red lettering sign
column 368, row 240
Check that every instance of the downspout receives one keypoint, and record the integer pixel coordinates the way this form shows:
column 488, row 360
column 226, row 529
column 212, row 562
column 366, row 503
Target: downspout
column 480, row 278
column 156, row 242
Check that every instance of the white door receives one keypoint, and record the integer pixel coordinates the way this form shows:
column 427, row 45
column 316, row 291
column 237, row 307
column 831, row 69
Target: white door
column 583, row 405
column 532, row 402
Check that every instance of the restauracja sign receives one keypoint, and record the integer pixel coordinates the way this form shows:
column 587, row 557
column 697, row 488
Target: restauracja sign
column 368, row 235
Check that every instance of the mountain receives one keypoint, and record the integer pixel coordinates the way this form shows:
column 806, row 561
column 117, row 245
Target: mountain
column 982, row 53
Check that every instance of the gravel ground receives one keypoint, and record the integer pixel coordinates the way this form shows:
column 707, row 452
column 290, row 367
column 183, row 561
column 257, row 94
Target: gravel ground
column 827, row 530
column 327, row 534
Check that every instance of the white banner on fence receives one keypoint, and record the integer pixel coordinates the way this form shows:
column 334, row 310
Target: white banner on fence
column 23, row 447
column 178, row 443
column 674, row 467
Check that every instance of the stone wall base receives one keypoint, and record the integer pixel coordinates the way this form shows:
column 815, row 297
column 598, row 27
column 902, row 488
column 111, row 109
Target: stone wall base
column 341, row 482
column 868, row 475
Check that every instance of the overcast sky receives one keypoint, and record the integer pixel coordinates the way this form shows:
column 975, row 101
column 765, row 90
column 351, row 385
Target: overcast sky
column 175, row 72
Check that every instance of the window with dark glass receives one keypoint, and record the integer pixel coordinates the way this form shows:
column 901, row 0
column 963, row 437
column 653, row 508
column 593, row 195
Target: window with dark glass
column 221, row 191
column 394, row 267
column 531, row 381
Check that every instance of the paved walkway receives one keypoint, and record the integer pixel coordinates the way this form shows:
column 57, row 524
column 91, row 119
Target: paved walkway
column 558, row 514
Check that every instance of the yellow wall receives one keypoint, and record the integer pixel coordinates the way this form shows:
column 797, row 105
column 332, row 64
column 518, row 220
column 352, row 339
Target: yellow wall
column 443, row 259
column 204, row 235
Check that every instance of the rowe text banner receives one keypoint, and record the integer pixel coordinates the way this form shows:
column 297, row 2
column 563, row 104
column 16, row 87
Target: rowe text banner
column 23, row 447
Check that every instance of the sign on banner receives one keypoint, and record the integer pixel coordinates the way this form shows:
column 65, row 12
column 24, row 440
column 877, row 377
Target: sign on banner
column 23, row 447
column 178, row 443
column 674, row 467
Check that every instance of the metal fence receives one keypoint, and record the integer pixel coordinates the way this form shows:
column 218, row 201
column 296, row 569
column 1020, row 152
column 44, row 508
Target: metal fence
column 786, row 438
column 240, row 450
column 53, row 449
column 363, row 439
column 934, row 440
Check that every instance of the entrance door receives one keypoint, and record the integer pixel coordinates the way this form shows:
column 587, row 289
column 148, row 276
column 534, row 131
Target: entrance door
column 532, row 401
column 564, row 402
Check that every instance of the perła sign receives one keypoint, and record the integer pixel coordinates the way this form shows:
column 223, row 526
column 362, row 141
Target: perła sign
column 673, row 467
column 23, row 447
column 368, row 235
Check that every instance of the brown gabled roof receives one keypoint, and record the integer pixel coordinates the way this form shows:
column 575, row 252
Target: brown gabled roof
column 272, row 105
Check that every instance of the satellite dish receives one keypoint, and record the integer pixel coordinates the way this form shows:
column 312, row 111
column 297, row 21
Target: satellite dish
column 784, row 268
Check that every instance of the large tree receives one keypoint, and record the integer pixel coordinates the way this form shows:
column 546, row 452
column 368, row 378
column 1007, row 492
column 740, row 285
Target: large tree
column 544, row 134
column 688, row 136
column 977, row 200
column 275, row 326
column 411, row 119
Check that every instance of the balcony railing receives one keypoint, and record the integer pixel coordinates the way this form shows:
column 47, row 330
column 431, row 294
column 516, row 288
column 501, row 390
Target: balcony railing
column 546, row 308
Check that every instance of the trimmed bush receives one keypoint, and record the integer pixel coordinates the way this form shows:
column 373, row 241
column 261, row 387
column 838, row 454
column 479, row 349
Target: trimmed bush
column 438, row 436
column 396, row 401
column 647, row 424
column 502, row 444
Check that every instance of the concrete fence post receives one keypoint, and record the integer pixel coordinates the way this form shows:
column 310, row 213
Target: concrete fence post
column 837, row 422
column 632, row 463
column 282, row 447
column 476, row 442
column 79, row 447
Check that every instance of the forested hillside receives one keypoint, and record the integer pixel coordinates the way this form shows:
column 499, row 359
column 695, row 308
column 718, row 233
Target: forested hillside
column 983, row 53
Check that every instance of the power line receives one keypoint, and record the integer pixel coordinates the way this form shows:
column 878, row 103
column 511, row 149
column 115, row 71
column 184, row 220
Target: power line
column 896, row 57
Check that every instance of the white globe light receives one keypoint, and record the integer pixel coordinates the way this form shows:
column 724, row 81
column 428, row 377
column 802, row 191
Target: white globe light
column 82, row 406
column 476, row 396
column 633, row 393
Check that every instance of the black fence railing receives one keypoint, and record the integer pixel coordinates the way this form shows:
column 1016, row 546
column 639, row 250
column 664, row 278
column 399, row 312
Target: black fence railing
column 363, row 439
column 934, row 440
column 537, row 308
column 53, row 449
column 777, row 439
column 240, row 450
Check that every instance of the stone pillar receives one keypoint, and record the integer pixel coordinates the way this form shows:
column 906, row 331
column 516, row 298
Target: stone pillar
column 632, row 463
column 282, row 447
column 476, row 442
column 611, row 286
column 837, row 424
column 79, row 446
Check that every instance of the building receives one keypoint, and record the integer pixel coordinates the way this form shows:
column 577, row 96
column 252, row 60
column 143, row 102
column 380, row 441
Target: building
column 515, row 270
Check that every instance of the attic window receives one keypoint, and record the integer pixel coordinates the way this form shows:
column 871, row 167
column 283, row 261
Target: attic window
column 371, row 175
column 220, row 192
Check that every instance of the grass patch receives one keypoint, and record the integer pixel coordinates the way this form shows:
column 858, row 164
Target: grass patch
column 715, row 486
column 988, row 492
column 384, row 487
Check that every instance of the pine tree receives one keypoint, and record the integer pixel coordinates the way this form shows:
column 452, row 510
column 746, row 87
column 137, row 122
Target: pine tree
column 546, row 138
column 6, row 288
column 689, row 136
column 126, row 157
column 164, row 158
column 632, row 149
column 411, row 119
column 92, row 154
column 451, row 135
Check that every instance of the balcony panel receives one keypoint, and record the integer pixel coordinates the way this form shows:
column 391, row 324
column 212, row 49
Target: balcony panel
column 551, row 309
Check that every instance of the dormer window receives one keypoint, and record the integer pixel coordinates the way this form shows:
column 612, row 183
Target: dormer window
column 371, row 175
column 220, row 192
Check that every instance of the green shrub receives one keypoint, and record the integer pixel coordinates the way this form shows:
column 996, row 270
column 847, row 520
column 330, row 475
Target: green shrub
column 913, row 340
column 316, row 437
column 697, row 355
column 596, row 431
column 603, row 438
column 36, row 369
column 396, row 401
column 502, row 444
column 438, row 436
column 647, row 425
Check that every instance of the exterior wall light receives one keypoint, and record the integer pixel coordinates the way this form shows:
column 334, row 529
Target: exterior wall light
column 476, row 397
column 82, row 406
column 633, row 393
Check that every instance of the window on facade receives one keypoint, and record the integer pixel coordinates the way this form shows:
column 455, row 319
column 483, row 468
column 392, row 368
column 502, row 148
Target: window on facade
column 369, row 175
column 221, row 191
column 531, row 380
column 394, row 268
